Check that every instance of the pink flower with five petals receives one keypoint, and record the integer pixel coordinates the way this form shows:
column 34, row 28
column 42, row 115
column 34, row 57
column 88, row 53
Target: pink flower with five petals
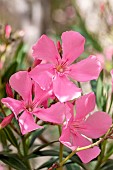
column 58, row 70
column 83, row 125
column 26, row 108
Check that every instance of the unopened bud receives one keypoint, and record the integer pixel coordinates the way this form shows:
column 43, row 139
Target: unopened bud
column 9, row 91
column 36, row 62
column 59, row 47
column 6, row 120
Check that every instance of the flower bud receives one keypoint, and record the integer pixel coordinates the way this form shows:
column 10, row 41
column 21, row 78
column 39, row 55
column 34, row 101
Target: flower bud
column 6, row 120
column 9, row 91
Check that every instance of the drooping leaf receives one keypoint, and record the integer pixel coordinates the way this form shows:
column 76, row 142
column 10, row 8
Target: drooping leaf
column 20, row 54
column 109, row 150
column 10, row 70
column 71, row 166
column 13, row 161
column 34, row 135
column 48, row 163
column 43, row 146
column 108, row 165
column 3, row 139
column 93, row 85
column 10, row 136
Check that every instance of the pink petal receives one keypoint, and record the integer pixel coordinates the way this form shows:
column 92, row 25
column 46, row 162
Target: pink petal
column 84, row 105
column 15, row 105
column 42, row 74
column 101, row 59
column 54, row 114
column 38, row 92
column 73, row 45
column 85, row 70
column 27, row 123
column 97, row 125
column 67, row 137
column 22, row 84
column 69, row 111
column 64, row 89
column 40, row 95
column 45, row 49
column 86, row 155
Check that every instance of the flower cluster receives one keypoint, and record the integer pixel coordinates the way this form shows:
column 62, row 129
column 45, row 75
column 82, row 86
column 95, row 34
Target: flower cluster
column 55, row 76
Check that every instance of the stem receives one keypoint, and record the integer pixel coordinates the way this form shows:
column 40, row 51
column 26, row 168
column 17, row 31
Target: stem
column 61, row 148
column 9, row 168
column 61, row 152
column 100, row 158
column 2, row 110
column 25, row 152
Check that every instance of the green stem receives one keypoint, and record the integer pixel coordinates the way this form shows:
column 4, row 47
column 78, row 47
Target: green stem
column 25, row 152
column 61, row 152
column 100, row 158
column 61, row 149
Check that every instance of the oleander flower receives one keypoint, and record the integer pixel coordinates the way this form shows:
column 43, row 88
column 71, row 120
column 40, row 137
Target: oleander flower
column 30, row 101
column 59, row 69
column 83, row 125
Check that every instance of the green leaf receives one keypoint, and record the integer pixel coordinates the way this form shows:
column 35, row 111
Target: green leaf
column 10, row 136
column 38, row 153
column 3, row 139
column 72, row 166
column 109, row 150
column 76, row 159
column 107, row 165
column 93, row 85
column 55, row 153
column 48, row 164
column 13, row 161
column 20, row 54
column 34, row 136
column 43, row 146
column 11, row 70
column 47, row 153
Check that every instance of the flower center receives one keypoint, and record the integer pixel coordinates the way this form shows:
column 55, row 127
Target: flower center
column 76, row 126
column 29, row 108
column 60, row 68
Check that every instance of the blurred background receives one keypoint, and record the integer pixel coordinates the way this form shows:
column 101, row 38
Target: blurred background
column 22, row 22
column 29, row 19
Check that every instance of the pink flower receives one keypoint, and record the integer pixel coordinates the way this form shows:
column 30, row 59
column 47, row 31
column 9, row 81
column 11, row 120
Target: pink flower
column 26, row 107
column 58, row 69
column 83, row 125
column 112, row 78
